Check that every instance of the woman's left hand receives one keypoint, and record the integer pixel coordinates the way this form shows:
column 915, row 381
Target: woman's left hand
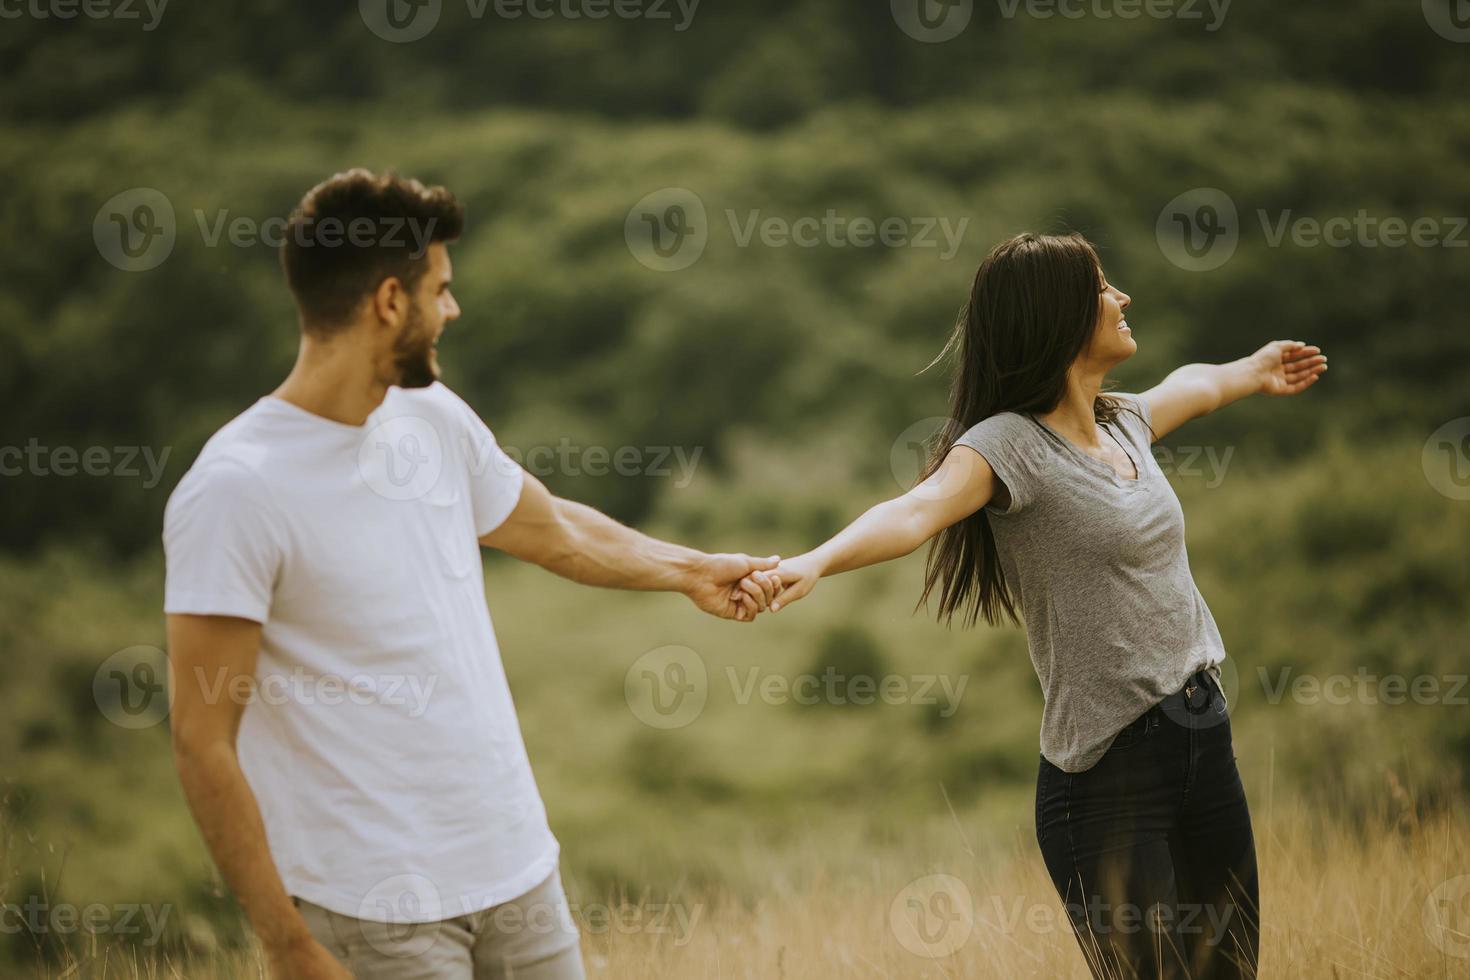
column 1288, row 366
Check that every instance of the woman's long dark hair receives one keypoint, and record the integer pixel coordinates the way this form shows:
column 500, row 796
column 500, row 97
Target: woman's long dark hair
column 1033, row 309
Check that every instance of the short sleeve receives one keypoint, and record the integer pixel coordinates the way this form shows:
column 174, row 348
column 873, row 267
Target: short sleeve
column 222, row 545
column 1009, row 445
column 1135, row 406
column 495, row 479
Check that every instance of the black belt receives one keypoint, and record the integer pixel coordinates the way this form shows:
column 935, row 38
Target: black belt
column 1199, row 693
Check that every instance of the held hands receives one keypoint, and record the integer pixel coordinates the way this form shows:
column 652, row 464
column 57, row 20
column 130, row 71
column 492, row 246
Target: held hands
column 1287, row 367
column 734, row 587
column 793, row 579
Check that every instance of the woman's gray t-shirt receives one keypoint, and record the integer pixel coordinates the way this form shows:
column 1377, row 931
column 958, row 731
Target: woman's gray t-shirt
column 1097, row 563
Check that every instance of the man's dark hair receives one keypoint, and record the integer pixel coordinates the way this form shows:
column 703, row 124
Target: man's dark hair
column 355, row 229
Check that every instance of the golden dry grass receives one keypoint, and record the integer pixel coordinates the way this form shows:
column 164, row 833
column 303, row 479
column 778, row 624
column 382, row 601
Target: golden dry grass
column 1387, row 899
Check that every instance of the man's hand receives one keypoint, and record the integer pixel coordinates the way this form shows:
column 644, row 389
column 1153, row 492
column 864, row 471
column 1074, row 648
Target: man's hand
column 306, row 959
column 732, row 586
column 1288, row 366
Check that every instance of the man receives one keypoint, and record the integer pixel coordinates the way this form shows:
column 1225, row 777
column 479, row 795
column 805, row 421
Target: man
column 374, row 809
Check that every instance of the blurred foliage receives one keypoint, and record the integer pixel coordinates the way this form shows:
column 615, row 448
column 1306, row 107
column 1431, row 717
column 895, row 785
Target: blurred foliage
column 566, row 336
column 757, row 62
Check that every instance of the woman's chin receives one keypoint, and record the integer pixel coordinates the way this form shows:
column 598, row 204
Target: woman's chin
column 1125, row 348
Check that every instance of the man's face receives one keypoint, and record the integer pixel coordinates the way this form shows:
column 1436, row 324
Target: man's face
column 431, row 308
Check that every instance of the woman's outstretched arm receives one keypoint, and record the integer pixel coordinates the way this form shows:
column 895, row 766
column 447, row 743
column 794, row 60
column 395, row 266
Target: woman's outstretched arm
column 962, row 485
column 1282, row 367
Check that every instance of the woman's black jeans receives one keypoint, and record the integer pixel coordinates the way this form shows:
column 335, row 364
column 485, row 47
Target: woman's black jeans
column 1151, row 849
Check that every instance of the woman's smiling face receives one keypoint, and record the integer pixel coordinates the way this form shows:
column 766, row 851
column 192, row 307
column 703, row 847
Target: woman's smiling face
column 1113, row 340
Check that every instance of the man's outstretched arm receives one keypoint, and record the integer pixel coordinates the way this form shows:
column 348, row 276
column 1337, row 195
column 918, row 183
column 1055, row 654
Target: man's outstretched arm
column 584, row 545
column 212, row 658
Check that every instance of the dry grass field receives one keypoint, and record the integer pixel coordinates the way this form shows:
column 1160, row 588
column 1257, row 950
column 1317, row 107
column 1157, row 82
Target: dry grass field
column 1389, row 899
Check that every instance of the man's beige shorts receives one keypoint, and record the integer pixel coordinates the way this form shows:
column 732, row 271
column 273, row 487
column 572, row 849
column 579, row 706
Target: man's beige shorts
column 528, row 938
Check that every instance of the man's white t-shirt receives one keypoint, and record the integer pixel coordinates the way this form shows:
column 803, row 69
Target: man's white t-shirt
column 380, row 740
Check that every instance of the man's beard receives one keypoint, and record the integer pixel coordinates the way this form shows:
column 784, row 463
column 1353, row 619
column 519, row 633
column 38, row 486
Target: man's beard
column 413, row 354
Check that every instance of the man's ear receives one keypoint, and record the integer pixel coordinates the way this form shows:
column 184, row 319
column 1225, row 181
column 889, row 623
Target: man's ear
column 390, row 301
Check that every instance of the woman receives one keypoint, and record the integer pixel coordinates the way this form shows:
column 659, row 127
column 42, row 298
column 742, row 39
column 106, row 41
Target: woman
column 1045, row 499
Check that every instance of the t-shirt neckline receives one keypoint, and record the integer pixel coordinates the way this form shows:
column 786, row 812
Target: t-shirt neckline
column 278, row 403
column 1097, row 464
